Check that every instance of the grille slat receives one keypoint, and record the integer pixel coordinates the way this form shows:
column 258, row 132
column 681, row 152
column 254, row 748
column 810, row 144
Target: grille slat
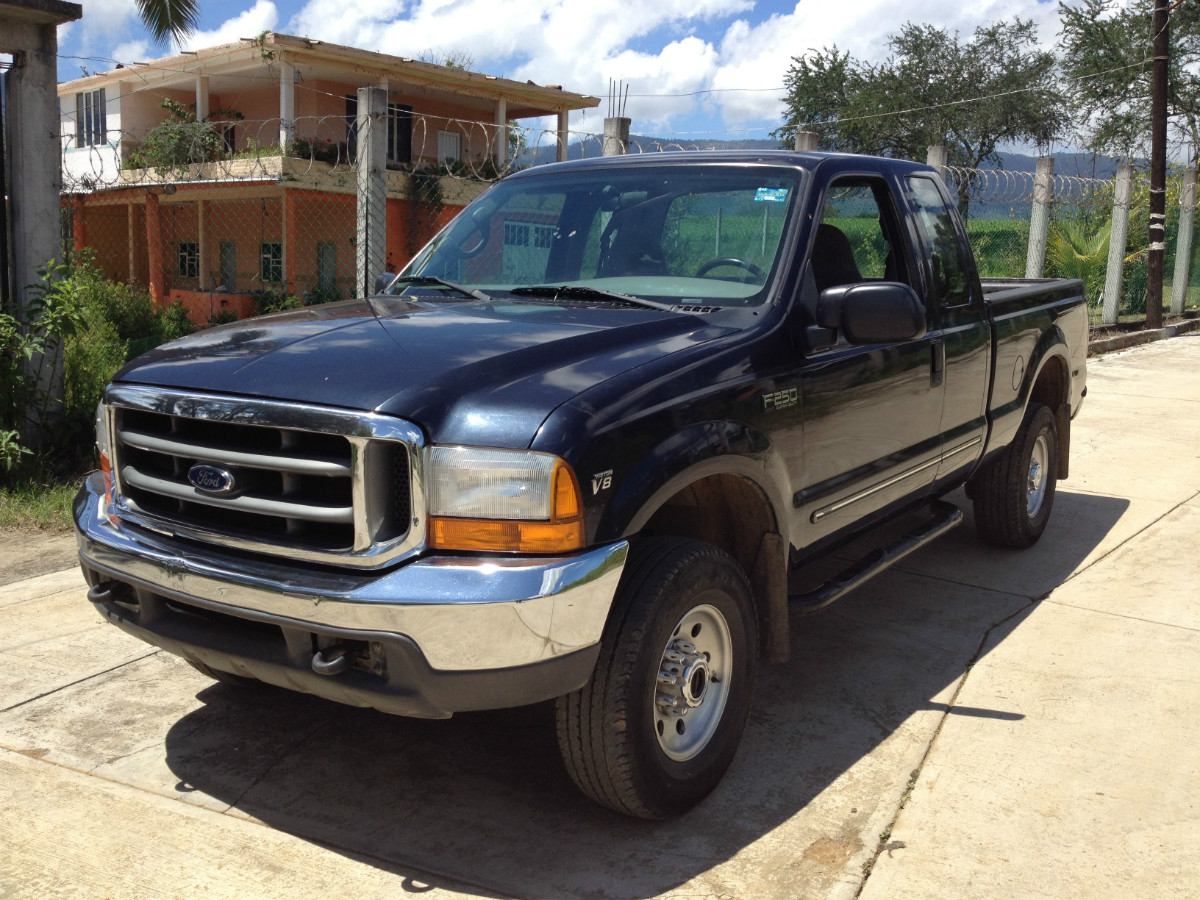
column 263, row 506
column 232, row 457
column 329, row 494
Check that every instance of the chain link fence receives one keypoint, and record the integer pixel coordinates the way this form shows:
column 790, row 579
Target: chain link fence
column 233, row 216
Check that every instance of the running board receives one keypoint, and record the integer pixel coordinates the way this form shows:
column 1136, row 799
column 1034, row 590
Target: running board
column 946, row 517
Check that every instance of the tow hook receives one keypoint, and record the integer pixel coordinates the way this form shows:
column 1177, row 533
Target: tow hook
column 330, row 660
column 101, row 592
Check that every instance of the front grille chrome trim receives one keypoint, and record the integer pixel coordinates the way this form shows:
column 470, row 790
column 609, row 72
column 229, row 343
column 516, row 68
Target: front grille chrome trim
column 366, row 433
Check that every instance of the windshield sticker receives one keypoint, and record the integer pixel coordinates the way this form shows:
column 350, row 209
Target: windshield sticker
column 770, row 195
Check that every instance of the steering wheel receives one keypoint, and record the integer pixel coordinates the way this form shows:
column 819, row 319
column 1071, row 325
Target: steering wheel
column 731, row 261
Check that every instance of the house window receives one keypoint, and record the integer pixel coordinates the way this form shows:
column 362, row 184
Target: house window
column 448, row 147
column 189, row 259
column 229, row 138
column 399, row 133
column 228, row 265
column 272, row 261
column 327, row 269
column 90, row 127
column 516, row 234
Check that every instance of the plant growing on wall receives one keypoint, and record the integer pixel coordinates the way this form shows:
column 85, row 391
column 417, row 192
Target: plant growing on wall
column 424, row 207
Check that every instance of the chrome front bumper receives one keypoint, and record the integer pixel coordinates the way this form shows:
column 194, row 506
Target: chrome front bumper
column 464, row 614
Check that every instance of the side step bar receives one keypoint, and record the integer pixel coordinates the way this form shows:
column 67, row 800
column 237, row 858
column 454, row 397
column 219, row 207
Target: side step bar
column 946, row 517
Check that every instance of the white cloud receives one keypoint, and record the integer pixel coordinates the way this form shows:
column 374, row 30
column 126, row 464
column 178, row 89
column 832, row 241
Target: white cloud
column 661, row 47
column 132, row 51
column 251, row 22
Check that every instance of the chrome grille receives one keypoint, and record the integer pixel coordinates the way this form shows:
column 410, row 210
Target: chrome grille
column 317, row 483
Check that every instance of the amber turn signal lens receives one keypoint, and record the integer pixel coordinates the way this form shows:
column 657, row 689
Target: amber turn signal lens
column 562, row 534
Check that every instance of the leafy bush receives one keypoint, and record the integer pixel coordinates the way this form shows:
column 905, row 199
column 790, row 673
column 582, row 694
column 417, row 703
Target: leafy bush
column 90, row 326
column 179, row 140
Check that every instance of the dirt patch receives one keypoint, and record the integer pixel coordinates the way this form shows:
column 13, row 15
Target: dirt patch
column 24, row 554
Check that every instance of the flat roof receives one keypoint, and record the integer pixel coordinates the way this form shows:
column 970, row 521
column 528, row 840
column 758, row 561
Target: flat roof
column 251, row 53
column 41, row 12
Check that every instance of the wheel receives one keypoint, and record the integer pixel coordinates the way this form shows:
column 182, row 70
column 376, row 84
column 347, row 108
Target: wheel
column 1014, row 493
column 659, row 722
column 717, row 263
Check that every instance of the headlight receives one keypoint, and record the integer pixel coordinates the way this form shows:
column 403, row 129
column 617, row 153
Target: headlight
column 502, row 500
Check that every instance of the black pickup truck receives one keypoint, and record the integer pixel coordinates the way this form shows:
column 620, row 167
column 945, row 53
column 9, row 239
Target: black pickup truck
column 575, row 449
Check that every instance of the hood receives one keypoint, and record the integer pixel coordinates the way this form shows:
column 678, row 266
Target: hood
column 479, row 372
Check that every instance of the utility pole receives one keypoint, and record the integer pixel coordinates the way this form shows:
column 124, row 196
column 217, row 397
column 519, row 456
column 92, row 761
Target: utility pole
column 1158, row 166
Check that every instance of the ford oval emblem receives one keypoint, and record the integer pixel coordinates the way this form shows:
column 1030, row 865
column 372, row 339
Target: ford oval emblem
column 211, row 479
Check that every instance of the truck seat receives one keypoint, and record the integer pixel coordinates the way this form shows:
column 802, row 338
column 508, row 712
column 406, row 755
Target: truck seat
column 832, row 259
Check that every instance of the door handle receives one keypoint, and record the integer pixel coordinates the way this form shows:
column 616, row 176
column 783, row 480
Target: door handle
column 937, row 368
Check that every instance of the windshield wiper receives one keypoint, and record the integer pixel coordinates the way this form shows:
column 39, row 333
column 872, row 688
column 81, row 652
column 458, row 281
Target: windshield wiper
column 580, row 292
column 429, row 280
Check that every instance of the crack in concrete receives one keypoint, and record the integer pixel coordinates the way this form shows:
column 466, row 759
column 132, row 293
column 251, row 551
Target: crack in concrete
column 63, row 687
column 885, row 836
column 1107, row 612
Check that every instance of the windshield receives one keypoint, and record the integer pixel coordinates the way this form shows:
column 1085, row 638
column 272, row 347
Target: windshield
column 706, row 234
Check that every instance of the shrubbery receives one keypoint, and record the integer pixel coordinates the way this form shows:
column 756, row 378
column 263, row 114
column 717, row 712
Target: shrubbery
column 84, row 327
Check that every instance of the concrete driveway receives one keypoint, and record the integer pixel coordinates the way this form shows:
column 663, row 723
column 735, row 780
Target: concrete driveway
column 973, row 724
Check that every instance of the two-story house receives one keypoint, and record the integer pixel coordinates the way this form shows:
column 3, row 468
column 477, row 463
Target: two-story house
column 263, row 200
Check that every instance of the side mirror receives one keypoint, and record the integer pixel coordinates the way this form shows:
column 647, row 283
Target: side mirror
column 873, row 312
column 383, row 280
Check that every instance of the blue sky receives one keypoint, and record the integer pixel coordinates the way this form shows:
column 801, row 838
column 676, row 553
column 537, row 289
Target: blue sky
column 728, row 56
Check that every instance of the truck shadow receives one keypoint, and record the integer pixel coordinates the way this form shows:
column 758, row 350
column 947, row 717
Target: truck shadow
column 481, row 802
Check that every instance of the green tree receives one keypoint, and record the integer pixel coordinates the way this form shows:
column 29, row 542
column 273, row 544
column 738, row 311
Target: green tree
column 1106, row 53
column 925, row 93
column 169, row 18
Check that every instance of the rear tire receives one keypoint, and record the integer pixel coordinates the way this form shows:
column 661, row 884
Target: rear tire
column 655, row 728
column 1014, row 493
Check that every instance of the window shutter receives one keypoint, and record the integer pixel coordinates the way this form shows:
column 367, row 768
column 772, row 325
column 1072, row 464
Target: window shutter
column 101, row 129
column 80, row 120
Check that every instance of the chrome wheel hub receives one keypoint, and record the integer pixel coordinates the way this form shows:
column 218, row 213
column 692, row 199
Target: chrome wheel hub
column 1035, row 484
column 693, row 683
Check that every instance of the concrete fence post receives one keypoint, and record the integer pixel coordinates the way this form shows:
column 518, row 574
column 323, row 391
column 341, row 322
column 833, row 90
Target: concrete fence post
column 806, row 140
column 370, row 236
column 616, row 136
column 1113, row 281
column 1039, row 217
column 938, row 156
column 1183, row 249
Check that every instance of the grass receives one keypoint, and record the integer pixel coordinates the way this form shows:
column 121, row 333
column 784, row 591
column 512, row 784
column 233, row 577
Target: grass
column 37, row 506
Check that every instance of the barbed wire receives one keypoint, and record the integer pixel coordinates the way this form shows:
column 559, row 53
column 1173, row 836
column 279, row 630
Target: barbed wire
column 1009, row 186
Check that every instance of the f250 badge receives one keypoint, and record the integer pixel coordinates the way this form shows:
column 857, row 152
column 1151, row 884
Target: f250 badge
column 781, row 399
column 601, row 481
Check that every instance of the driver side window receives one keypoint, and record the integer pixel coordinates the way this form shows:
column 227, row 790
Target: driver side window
column 855, row 239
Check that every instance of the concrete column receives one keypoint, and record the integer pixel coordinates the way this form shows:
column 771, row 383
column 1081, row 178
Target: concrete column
column 806, row 140
column 616, row 136
column 201, row 247
column 201, row 98
column 34, row 152
column 155, row 274
column 289, row 240
column 938, row 156
column 1039, row 217
column 370, row 244
column 500, row 137
column 1183, row 249
column 1113, row 281
column 563, row 135
column 287, row 103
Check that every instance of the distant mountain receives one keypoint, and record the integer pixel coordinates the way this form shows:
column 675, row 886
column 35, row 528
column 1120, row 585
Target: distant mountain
column 1080, row 164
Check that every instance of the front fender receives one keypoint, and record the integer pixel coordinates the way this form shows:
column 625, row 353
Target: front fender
column 686, row 456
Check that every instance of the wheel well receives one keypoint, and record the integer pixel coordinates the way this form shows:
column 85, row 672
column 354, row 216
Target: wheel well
column 1052, row 389
column 733, row 513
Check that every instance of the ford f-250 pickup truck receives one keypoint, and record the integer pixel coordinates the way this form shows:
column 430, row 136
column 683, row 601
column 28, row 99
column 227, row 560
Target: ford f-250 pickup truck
column 574, row 449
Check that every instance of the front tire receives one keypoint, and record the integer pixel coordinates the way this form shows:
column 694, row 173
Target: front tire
column 653, row 731
column 1014, row 493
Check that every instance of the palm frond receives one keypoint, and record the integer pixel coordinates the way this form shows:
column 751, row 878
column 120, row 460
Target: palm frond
column 169, row 18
